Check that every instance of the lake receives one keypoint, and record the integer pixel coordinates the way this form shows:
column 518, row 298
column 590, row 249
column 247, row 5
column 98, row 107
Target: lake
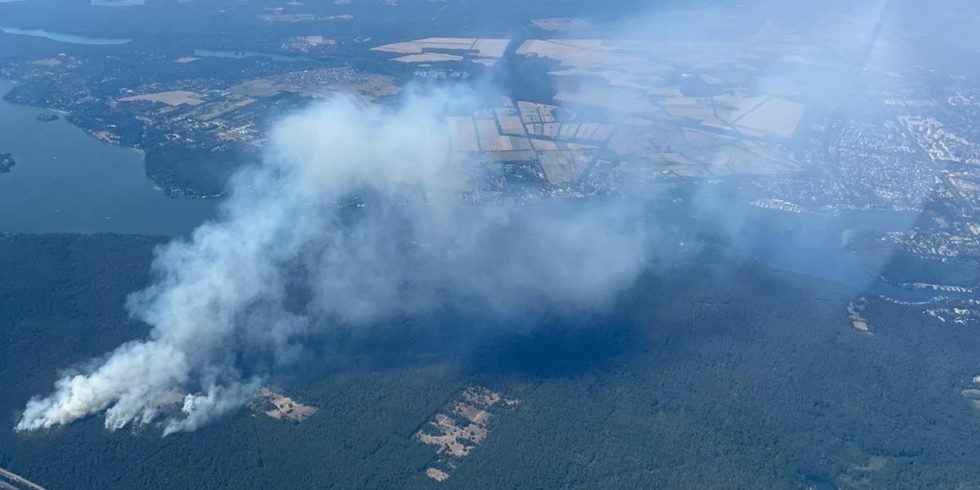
column 238, row 55
column 805, row 243
column 813, row 245
column 65, row 38
column 68, row 181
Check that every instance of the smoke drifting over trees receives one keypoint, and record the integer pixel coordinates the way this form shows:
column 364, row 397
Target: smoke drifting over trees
column 350, row 220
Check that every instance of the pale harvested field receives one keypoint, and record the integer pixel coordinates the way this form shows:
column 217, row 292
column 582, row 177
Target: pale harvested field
column 550, row 130
column 582, row 57
column 486, row 130
column 777, row 117
column 510, row 123
column 691, row 153
column 544, row 145
column 587, row 132
column 171, row 98
column 562, row 167
column 752, row 115
column 428, row 58
column 552, row 145
column 462, row 134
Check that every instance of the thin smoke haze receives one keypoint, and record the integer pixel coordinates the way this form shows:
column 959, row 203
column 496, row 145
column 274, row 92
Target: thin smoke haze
column 357, row 208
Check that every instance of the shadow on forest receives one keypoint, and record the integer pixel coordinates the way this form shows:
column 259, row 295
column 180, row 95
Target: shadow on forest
column 664, row 313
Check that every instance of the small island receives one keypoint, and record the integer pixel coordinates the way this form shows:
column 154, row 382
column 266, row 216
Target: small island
column 6, row 162
column 47, row 116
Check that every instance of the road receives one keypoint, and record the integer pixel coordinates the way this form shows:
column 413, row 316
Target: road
column 11, row 481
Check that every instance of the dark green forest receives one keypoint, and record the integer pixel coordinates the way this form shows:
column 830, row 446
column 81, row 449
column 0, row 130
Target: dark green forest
column 714, row 373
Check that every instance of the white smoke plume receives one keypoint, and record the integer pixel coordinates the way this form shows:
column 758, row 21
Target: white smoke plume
column 354, row 208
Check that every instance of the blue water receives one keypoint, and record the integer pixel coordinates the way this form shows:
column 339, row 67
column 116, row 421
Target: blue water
column 68, row 181
column 813, row 245
column 65, row 38
column 238, row 55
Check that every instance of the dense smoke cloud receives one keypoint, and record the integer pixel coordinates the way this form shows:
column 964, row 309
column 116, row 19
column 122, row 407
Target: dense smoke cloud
column 355, row 218
column 352, row 219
